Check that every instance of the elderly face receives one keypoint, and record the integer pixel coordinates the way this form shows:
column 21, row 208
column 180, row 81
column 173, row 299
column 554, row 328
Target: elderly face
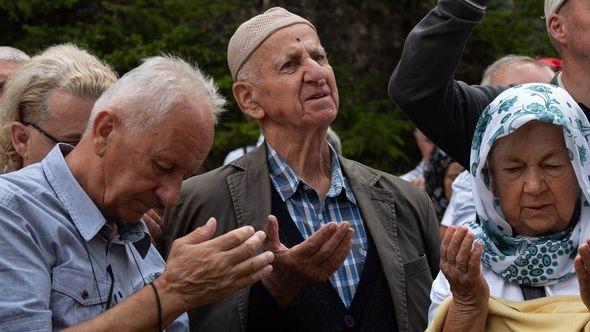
column 6, row 70
column 145, row 171
column 69, row 115
column 534, row 179
column 576, row 29
column 297, row 87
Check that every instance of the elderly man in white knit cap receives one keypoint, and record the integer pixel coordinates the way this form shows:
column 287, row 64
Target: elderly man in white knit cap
column 355, row 248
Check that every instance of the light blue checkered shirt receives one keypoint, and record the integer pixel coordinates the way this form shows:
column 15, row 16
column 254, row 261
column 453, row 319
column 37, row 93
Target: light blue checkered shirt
column 310, row 212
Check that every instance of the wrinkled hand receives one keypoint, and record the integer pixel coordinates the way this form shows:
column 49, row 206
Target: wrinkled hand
column 202, row 271
column 153, row 221
column 582, row 266
column 461, row 266
column 307, row 264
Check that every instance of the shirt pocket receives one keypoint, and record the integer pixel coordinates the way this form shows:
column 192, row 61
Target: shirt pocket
column 75, row 297
column 418, row 283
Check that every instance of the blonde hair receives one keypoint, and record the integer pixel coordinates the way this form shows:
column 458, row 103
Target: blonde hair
column 64, row 67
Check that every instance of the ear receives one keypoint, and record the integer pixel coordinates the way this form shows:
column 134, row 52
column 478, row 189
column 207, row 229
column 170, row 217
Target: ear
column 245, row 95
column 103, row 128
column 557, row 28
column 19, row 134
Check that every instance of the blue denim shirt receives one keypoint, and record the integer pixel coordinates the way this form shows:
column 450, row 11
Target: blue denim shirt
column 59, row 263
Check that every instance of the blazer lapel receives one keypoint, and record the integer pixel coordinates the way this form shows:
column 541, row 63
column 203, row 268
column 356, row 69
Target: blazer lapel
column 251, row 198
column 250, row 189
column 377, row 208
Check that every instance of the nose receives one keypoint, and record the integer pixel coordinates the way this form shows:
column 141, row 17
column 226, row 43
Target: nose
column 314, row 73
column 534, row 182
column 169, row 191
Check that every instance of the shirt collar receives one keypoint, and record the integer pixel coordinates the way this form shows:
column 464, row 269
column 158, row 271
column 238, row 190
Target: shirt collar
column 85, row 215
column 286, row 181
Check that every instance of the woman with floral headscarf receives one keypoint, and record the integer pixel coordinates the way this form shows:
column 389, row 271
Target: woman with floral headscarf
column 530, row 161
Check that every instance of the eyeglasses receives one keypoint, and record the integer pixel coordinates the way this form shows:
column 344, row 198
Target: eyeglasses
column 48, row 135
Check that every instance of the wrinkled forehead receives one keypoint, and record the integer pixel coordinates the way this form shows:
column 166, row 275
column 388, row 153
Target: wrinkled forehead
column 540, row 137
column 289, row 39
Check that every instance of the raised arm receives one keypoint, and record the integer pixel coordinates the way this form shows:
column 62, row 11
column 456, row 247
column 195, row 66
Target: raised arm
column 423, row 86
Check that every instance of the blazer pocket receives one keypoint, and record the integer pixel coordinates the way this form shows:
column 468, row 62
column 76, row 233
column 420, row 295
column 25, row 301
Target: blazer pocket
column 418, row 283
column 416, row 266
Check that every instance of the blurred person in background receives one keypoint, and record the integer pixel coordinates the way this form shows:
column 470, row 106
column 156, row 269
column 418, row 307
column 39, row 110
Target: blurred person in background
column 10, row 59
column 416, row 176
column 48, row 101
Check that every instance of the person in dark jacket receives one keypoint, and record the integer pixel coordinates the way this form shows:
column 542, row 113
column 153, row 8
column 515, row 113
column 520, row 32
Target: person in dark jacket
column 447, row 110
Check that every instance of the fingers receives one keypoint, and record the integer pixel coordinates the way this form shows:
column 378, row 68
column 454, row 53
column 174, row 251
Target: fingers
column 462, row 259
column 327, row 249
column 340, row 252
column 310, row 246
column 474, row 263
column 233, row 239
column 252, row 265
column 584, row 254
column 455, row 244
column 273, row 241
column 445, row 243
column 247, row 249
column 252, row 278
column 201, row 234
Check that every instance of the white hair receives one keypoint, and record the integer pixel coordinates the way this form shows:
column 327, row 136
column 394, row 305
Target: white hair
column 8, row 53
column 505, row 61
column 148, row 93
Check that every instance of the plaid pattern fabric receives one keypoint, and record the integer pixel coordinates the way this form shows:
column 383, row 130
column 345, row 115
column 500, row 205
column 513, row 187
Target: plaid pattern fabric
column 310, row 212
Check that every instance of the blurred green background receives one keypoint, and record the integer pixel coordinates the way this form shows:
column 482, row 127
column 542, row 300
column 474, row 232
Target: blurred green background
column 363, row 39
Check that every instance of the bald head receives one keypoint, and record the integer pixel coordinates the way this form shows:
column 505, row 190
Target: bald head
column 516, row 69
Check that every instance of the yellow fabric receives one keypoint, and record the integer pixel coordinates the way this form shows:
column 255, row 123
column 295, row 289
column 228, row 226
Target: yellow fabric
column 550, row 314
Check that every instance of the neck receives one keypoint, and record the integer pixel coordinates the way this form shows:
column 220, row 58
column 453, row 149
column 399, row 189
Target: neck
column 307, row 154
column 87, row 173
column 576, row 80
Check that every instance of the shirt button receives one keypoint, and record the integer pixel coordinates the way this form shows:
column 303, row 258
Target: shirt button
column 85, row 294
column 348, row 321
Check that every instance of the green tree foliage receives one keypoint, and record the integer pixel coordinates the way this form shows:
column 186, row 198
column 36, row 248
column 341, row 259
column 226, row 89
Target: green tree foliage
column 363, row 38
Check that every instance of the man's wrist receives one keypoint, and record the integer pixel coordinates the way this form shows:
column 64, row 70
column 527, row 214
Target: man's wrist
column 282, row 295
column 172, row 302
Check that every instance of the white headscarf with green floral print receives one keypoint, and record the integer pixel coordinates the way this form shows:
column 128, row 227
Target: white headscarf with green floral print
column 536, row 261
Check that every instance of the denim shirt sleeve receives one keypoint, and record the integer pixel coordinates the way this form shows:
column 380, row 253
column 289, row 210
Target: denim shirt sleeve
column 25, row 276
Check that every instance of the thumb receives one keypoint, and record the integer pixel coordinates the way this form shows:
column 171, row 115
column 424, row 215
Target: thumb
column 272, row 233
column 201, row 234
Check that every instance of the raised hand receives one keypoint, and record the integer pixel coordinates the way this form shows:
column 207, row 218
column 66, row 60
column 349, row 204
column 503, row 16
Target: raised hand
column 582, row 266
column 202, row 271
column 307, row 264
column 461, row 266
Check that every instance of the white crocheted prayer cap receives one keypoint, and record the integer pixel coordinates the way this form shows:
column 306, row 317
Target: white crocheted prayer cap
column 253, row 32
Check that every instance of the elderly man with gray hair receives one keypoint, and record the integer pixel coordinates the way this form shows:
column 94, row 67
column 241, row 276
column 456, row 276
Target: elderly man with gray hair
column 10, row 59
column 75, row 252
column 355, row 248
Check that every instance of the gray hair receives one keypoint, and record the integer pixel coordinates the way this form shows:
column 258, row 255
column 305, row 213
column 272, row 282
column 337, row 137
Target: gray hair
column 63, row 67
column 149, row 92
column 505, row 61
column 8, row 53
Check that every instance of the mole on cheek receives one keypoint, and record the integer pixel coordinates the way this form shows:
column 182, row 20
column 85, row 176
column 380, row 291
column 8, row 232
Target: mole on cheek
column 298, row 39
